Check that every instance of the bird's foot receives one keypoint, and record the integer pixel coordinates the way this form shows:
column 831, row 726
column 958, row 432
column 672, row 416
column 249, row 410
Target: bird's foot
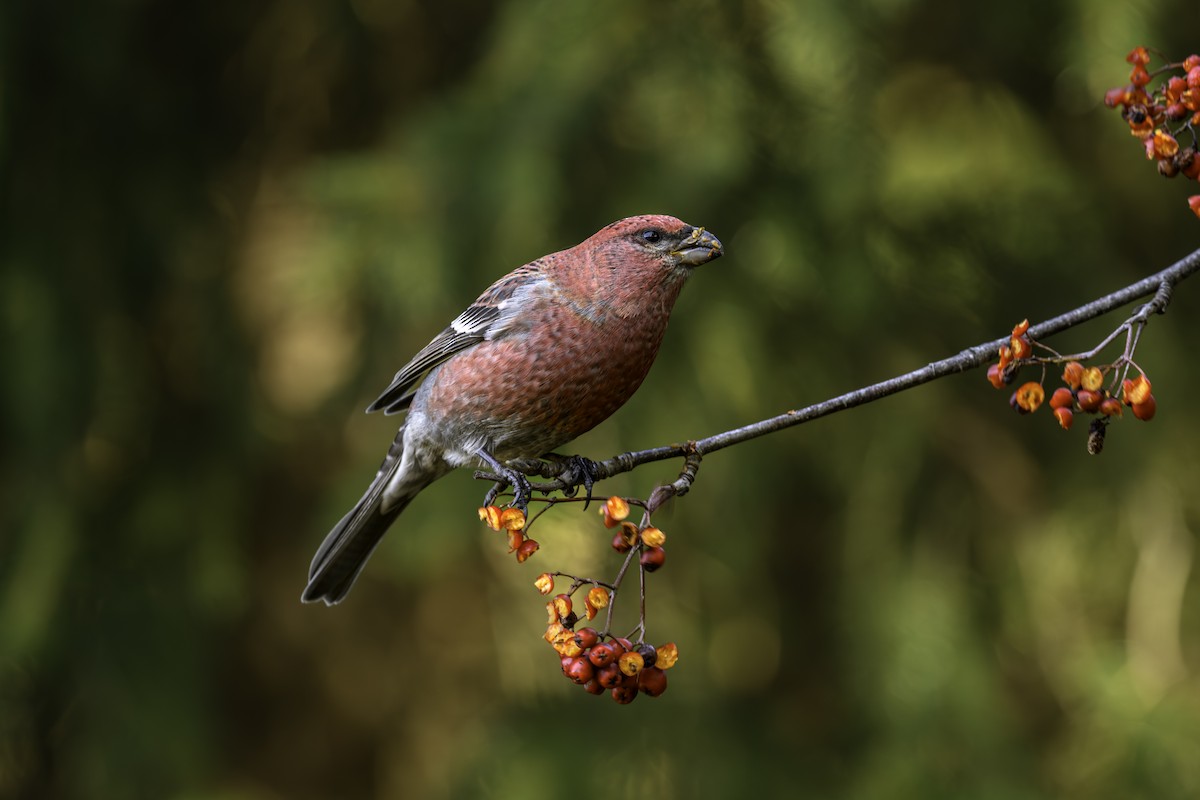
column 522, row 491
column 576, row 471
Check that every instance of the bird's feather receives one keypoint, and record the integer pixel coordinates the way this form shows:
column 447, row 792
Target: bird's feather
column 484, row 319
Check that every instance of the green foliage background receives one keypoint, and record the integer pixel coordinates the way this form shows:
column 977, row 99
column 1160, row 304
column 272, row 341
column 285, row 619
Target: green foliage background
column 225, row 225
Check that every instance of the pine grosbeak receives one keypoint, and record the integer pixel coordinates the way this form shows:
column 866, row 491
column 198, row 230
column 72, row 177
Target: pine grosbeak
column 545, row 354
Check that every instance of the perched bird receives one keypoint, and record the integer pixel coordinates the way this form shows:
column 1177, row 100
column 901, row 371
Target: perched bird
column 545, row 354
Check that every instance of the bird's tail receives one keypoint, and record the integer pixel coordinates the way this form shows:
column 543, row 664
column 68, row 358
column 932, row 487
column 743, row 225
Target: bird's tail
column 346, row 549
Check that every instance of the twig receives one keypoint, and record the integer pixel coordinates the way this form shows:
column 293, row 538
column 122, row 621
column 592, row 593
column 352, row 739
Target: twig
column 1160, row 285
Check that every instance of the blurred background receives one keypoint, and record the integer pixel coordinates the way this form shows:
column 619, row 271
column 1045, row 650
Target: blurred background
column 227, row 224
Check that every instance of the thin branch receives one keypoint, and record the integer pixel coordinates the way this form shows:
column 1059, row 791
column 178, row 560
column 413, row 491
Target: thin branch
column 1160, row 285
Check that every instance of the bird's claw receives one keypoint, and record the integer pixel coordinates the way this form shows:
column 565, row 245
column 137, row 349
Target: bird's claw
column 522, row 491
column 577, row 471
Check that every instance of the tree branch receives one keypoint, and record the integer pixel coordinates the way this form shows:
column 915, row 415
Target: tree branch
column 1160, row 285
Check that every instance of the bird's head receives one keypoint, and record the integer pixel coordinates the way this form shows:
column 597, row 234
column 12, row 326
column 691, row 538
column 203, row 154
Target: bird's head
column 666, row 239
column 634, row 266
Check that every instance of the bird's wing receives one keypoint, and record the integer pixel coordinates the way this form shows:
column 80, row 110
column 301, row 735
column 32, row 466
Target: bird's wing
column 487, row 317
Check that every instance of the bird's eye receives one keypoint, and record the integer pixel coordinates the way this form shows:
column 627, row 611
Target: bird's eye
column 651, row 235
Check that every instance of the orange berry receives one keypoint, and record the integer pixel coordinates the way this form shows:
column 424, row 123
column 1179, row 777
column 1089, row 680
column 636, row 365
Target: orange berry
column 1020, row 328
column 629, row 532
column 490, row 515
column 1021, row 348
column 1065, row 417
column 617, row 508
column 1135, row 391
column 1162, row 145
column 668, row 654
column 1092, row 379
column 995, row 376
column 562, row 605
column 564, row 644
column 653, row 537
column 653, row 558
column 1110, row 407
column 1062, row 398
column 512, row 519
column 527, row 548
column 1138, row 56
column 1088, row 400
column 1006, row 356
column 631, row 662
column 1145, row 409
column 1194, row 202
column 1030, row 396
column 1191, row 61
column 598, row 596
column 1116, row 96
column 515, row 539
column 1072, row 374
column 1138, row 76
column 544, row 583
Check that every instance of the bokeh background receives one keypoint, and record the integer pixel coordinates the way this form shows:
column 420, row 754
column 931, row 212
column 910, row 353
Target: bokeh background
column 226, row 224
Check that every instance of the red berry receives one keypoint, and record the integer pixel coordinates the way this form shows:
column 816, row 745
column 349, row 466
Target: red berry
column 653, row 558
column 579, row 670
column 652, row 681
column 624, row 694
column 609, row 676
column 1145, row 409
column 1088, row 400
column 602, row 655
column 586, row 637
column 1062, row 398
column 593, row 687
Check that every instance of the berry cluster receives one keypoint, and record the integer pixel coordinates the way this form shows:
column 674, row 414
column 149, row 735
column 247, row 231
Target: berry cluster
column 1085, row 389
column 512, row 522
column 598, row 661
column 1151, row 111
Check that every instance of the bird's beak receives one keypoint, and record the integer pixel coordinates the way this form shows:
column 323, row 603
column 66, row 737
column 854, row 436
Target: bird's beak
column 698, row 248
